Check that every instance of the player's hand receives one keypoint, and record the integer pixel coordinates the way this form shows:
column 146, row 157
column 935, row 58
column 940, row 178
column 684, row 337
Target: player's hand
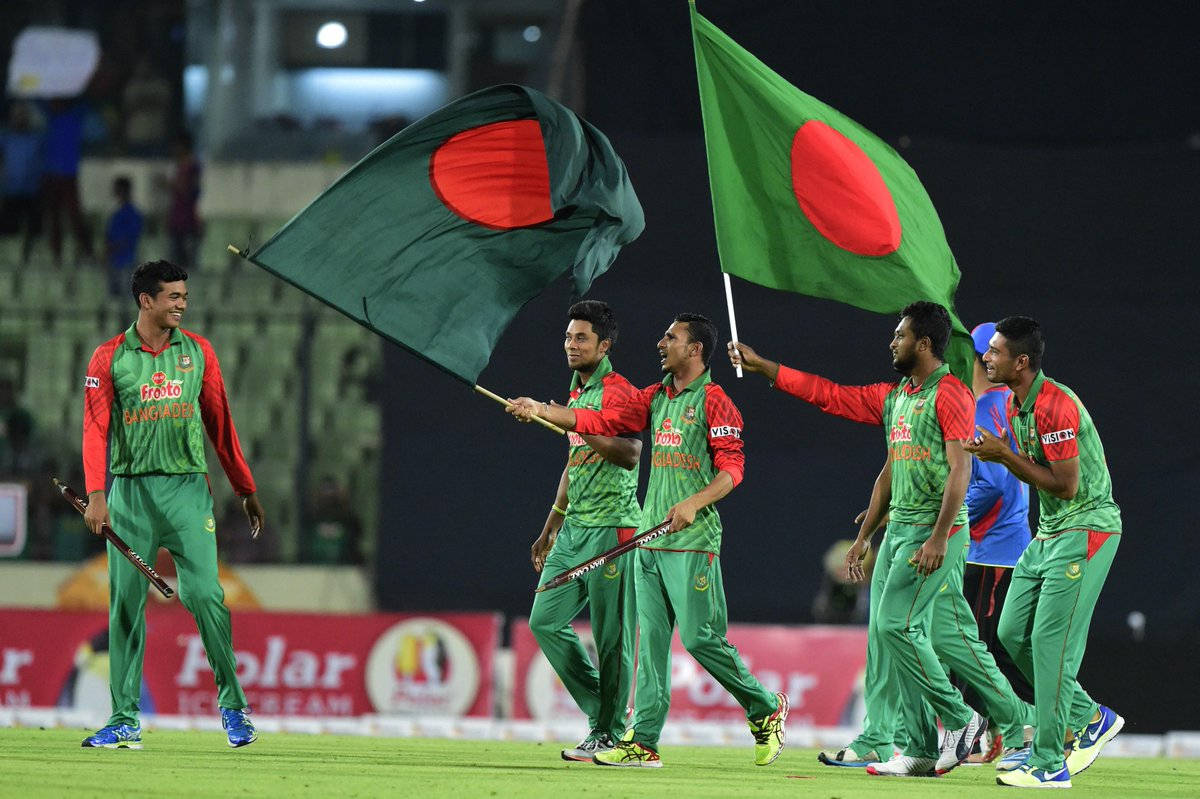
column 96, row 514
column 541, row 548
column 929, row 557
column 524, row 408
column 855, row 555
column 987, row 446
column 743, row 355
column 681, row 515
column 254, row 512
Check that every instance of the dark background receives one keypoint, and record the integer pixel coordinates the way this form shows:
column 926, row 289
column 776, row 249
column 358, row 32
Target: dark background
column 1062, row 150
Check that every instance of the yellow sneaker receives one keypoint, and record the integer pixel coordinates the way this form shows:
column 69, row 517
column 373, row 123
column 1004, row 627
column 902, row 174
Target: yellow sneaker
column 768, row 733
column 628, row 753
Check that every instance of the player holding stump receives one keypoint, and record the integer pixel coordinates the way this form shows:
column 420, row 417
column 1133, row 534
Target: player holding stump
column 918, row 614
column 146, row 393
column 696, row 460
column 595, row 509
column 1058, row 579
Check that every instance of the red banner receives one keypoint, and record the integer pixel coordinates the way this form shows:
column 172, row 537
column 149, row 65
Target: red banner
column 288, row 663
column 820, row 669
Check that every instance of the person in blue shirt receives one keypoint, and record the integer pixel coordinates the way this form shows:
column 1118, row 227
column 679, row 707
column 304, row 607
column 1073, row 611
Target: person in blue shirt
column 65, row 123
column 21, row 147
column 121, row 238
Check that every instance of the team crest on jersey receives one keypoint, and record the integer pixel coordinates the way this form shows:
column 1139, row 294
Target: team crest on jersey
column 1073, row 571
column 920, row 408
column 900, row 431
column 611, row 571
column 210, row 525
column 701, row 583
column 689, row 416
column 184, row 364
column 665, row 436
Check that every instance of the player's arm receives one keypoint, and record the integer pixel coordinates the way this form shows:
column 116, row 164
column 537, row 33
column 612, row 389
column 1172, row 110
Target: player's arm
column 728, row 457
column 98, row 397
column 955, row 409
column 218, row 423
column 630, row 417
column 624, row 451
column 856, row 403
column 554, row 521
column 1060, row 477
column 870, row 520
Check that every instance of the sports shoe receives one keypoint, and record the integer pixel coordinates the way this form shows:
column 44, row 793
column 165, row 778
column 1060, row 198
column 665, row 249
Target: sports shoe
column 1092, row 738
column 904, row 766
column 848, row 757
column 1029, row 777
column 628, row 753
column 957, row 744
column 116, row 736
column 238, row 727
column 588, row 747
column 768, row 733
column 1013, row 758
column 990, row 747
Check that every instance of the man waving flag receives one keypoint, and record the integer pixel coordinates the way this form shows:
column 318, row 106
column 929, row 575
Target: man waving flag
column 807, row 200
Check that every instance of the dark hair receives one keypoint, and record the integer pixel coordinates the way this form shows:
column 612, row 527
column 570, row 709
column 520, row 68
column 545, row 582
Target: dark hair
column 1024, row 337
column 701, row 329
column 604, row 322
column 932, row 321
column 123, row 186
column 149, row 277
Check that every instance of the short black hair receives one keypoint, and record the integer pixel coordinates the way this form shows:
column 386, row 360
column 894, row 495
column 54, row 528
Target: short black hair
column 149, row 277
column 604, row 321
column 1024, row 337
column 122, row 186
column 701, row 329
column 932, row 321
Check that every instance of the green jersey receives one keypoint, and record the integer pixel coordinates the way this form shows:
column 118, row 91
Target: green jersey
column 150, row 411
column 1052, row 425
column 697, row 433
column 600, row 493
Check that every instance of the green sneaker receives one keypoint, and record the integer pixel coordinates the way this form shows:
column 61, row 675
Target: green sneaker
column 768, row 733
column 628, row 753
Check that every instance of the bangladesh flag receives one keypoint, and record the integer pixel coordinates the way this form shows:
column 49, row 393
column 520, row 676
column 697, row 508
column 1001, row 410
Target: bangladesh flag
column 807, row 200
column 440, row 235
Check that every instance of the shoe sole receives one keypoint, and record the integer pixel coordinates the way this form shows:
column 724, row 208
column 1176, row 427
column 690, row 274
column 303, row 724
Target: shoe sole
column 844, row 763
column 875, row 773
column 637, row 764
column 570, row 755
column 1066, row 784
column 232, row 745
column 1117, row 726
column 121, row 745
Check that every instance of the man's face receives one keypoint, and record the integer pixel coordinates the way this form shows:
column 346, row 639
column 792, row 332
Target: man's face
column 999, row 363
column 674, row 351
column 904, row 347
column 166, row 308
column 583, row 347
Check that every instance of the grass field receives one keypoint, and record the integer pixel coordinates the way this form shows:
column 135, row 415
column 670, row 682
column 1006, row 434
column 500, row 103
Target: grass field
column 51, row 763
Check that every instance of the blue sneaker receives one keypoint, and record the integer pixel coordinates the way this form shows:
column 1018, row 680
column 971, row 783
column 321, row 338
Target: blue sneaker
column 1013, row 758
column 238, row 727
column 116, row 736
column 1029, row 777
column 1092, row 738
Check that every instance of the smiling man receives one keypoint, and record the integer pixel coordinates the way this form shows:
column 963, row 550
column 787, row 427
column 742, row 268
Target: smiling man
column 147, row 393
column 696, row 460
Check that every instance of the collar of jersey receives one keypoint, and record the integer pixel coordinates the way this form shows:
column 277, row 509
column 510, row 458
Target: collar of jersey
column 133, row 342
column 669, row 381
column 934, row 376
column 602, row 369
column 1034, row 389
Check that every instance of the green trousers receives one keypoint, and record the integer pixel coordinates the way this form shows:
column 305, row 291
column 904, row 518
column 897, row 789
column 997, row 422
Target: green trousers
column 1044, row 626
column 176, row 512
column 608, row 594
column 954, row 637
column 685, row 589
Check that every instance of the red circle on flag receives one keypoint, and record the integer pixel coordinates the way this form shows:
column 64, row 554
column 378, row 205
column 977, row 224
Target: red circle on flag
column 495, row 175
column 841, row 192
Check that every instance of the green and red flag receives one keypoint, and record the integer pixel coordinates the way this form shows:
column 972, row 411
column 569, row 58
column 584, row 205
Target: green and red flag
column 441, row 234
column 807, row 200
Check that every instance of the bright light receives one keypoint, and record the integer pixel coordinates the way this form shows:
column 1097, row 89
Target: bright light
column 532, row 33
column 331, row 35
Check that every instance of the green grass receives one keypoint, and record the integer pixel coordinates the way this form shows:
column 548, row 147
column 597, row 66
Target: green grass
column 36, row 763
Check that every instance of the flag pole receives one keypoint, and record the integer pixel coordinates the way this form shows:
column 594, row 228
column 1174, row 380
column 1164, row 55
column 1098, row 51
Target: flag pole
column 236, row 251
column 732, row 319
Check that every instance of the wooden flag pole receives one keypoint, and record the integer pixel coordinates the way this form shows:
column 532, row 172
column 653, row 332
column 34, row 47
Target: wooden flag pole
column 732, row 319
column 506, row 403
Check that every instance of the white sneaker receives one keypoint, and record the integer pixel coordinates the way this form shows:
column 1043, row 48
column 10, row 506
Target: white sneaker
column 589, row 747
column 957, row 744
column 904, row 766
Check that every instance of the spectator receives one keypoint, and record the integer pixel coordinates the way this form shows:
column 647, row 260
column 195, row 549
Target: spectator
column 121, row 238
column 145, row 104
column 22, row 151
column 183, row 221
column 64, row 147
column 16, row 435
column 840, row 600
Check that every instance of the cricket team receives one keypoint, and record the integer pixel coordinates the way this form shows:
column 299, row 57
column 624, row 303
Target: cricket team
column 951, row 494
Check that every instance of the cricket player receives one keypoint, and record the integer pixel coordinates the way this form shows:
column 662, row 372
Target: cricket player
column 594, row 509
column 918, row 613
column 1058, row 578
column 146, row 394
column 696, row 460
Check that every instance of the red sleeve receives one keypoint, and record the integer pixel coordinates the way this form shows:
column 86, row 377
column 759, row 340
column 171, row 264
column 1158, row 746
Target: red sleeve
column 97, row 414
column 1057, row 418
column 955, row 409
column 857, row 403
column 633, row 416
column 724, row 432
column 218, row 421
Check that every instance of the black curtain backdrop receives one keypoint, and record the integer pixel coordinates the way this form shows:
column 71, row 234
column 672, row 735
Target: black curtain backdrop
column 1063, row 154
